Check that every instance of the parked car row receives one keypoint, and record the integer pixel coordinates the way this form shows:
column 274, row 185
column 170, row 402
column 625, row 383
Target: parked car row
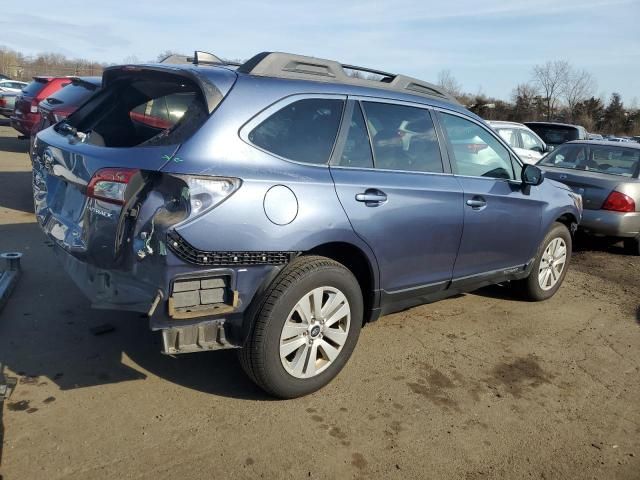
column 44, row 101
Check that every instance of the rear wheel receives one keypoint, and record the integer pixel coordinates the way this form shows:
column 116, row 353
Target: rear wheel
column 632, row 246
column 305, row 329
column 550, row 265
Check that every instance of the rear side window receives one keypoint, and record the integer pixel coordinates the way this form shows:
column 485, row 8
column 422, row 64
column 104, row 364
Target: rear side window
column 33, row 88
column 403, row 138
column 357, row 149
column 304, row 131
column 476, row 153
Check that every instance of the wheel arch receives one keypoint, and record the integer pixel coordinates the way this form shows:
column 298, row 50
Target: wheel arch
column 363, row 267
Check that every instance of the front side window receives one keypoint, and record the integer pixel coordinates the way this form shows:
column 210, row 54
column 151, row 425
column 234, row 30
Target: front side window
column 530, row 142
column 509, row 135
column 476, row 152
column 403, row 138
column 304, row 131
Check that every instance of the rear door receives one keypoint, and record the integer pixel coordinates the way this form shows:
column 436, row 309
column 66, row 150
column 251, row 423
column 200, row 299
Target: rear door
column 502, row 221
column 399, row 196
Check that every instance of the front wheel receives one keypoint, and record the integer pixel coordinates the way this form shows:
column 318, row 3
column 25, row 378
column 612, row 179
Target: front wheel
column 306, row 328
column 550, row 266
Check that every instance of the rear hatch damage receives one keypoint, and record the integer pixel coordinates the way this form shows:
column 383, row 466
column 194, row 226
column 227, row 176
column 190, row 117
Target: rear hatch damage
column 99, row 192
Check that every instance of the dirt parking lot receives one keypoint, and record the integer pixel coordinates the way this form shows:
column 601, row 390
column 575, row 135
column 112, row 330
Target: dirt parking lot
column 478, row 386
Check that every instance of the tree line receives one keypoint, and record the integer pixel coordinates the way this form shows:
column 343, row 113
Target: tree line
column 556, row 91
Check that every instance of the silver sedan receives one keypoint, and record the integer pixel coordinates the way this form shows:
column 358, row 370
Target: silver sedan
column 606, row 175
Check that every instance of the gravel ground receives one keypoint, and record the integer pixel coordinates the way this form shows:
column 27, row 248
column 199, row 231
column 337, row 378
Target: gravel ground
column 478, row 386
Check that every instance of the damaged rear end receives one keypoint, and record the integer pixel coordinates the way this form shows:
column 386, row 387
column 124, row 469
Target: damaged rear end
column 101, row 196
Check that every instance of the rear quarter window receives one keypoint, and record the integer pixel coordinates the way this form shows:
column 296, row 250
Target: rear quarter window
column 303, row 131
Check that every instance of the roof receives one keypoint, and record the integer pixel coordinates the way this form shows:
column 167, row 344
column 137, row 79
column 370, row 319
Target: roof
column 635, row 146
column 557, row 124
column 505, row 123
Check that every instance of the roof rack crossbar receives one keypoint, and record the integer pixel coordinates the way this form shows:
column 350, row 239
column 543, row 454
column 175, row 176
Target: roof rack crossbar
column 368, row 70
column 287, row 65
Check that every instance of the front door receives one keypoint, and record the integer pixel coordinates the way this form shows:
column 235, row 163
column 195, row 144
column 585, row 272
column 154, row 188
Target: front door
column 502, row 221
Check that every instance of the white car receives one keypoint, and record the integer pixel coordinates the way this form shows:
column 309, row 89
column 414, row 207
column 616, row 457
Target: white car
column 524, row 141
column 7, row 85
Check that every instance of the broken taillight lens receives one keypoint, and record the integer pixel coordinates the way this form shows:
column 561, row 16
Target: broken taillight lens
column 207, row 192
column 110, row 184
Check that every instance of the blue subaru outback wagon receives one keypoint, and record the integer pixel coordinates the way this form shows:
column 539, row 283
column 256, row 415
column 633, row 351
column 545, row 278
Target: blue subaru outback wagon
column 279, row 205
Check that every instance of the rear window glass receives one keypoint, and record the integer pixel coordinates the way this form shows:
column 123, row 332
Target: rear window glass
column 73, row 94
column 595, row 158
column 304, row 131
column 555, row 135
column 33, row 88
column 148, row 109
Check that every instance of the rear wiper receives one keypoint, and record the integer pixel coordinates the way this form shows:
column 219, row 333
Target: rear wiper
column 65, row 128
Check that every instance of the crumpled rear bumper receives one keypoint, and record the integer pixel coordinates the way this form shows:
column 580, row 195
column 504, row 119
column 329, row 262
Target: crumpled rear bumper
column 196, row 308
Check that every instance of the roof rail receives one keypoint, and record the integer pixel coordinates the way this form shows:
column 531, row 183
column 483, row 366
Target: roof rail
column 287, row 65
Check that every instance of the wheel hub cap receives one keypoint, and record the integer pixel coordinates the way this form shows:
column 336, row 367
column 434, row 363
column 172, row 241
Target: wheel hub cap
column 552, row 263
column 315, row 331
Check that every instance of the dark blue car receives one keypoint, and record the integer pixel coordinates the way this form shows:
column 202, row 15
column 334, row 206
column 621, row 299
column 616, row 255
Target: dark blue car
column 279, row 205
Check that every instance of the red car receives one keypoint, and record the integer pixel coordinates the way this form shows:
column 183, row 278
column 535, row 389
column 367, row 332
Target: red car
column 65, row 101
column 26, row 114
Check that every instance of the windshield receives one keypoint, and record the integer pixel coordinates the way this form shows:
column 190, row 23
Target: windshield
column 73, row 94
column 555, row 134
column 612, row 160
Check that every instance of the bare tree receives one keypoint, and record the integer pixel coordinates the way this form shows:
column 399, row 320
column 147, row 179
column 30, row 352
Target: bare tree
column 449, row 84
column 551, row 78
column 131, row 59
column 578, row 87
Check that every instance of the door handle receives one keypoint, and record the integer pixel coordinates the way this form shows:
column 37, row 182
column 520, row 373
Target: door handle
column 371, row 197
column 477, row 203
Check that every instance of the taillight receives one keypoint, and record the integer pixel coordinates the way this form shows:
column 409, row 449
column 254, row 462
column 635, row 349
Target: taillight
column 3, row 102
column 110, row 184
column 619, row 202
column 207, row 192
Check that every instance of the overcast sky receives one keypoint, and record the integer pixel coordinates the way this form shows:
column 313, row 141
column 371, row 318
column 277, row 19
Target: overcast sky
column 489, row 45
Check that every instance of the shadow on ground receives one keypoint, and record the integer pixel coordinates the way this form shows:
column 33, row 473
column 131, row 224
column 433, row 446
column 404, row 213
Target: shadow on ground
column 14, row 144
column 16, row 191
column 584, row 243
column 45, row 334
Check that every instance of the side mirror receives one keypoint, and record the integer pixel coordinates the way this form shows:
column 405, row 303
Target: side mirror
column 538, row 149
column 550, row 148
column 532, row 175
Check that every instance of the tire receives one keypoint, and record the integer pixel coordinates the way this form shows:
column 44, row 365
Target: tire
column 632, row 246
column 538, row 286
column 293, row 293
